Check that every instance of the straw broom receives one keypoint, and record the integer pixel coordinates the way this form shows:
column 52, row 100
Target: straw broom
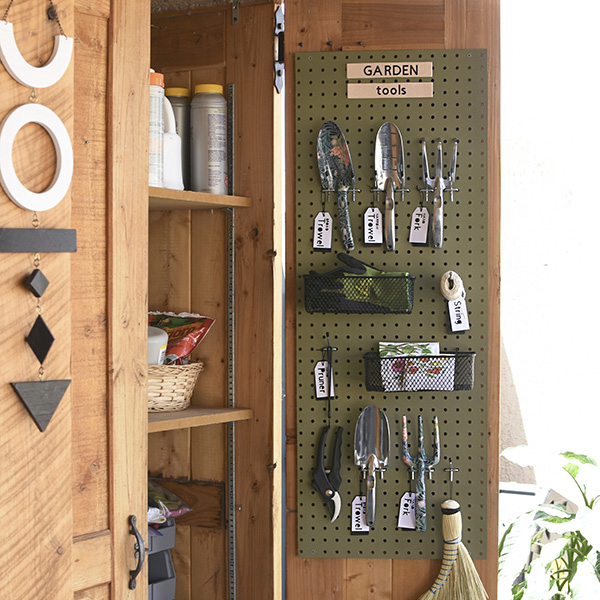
column 458, row 579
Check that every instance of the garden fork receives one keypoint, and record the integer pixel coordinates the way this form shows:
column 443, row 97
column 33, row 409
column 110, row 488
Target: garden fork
column 421, row 463
column 437, row 185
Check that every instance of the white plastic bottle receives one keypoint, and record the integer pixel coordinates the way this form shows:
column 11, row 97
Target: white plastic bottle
column 172, row 171
column 208, row 139
column 155, row 143
column 180, row 101
column 157, row 345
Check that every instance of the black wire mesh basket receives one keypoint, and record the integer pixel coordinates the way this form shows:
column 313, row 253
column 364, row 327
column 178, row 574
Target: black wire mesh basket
column 438, row 372
column 389, row 294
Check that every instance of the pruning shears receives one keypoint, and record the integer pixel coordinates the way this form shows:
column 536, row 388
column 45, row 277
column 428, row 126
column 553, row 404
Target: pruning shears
column 327, row 481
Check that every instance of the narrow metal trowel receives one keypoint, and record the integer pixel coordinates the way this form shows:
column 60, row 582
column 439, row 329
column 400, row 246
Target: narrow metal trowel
column 389, row 175
column 372, row 451
column 337, row 174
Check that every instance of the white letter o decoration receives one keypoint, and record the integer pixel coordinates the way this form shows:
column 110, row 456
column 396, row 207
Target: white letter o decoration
column 26, row 74
column 15, row 190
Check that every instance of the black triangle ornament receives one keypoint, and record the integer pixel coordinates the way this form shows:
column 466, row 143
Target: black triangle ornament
column 41, row 398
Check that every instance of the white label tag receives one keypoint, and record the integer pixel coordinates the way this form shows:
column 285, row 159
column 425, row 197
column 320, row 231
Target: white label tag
column 322, row 381
column 373, row 226
column 459, row 316
column 322, row 232
column 419, row 225
column 407, row 517
column 359, row 516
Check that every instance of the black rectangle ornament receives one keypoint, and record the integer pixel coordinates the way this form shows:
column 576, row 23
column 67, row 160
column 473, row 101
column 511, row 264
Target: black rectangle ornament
column 38, row 240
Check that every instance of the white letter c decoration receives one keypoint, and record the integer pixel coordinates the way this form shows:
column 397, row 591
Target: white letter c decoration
column 26, row 74
column 15, row 190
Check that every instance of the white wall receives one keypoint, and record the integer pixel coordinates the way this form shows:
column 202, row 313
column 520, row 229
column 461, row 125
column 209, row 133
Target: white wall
column 550, row 219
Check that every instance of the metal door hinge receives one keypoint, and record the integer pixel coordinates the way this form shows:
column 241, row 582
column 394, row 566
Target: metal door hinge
column 279, row 53
column 235, row 12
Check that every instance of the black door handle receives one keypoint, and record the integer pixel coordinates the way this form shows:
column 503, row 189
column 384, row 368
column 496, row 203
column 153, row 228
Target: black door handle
column 140, row 552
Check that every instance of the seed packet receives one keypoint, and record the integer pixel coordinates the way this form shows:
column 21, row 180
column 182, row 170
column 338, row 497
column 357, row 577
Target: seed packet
column 185, row 331
column 168, row 504
column 394, row 373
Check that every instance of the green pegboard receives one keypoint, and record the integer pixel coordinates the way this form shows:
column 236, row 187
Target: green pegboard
column 458, row 109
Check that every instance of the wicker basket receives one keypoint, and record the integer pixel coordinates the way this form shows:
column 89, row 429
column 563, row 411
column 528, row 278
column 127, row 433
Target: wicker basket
column 170, row 387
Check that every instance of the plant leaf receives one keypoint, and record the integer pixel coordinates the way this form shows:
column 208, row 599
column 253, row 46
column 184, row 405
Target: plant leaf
column 553, row 510
column 587, row 522
column 585, row 585
column 582, row 458
column 572, row 469
column 514, row 552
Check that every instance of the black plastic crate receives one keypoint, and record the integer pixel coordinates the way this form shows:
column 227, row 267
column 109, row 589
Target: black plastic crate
column 440, row 372
column 389, row 294
column 161, row 576
column 163, row 538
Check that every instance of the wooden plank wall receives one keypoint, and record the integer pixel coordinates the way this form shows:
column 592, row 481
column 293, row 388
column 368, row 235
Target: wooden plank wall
column 388, row 25
column 188, row 271
column 35, row 484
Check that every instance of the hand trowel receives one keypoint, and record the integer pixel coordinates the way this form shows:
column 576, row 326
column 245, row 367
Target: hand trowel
column 389, row 175
column 337, row 174
column 371, row 450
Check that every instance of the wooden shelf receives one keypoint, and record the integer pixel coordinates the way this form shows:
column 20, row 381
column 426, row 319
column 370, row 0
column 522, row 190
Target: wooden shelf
column 166, row 199
column 195, row 417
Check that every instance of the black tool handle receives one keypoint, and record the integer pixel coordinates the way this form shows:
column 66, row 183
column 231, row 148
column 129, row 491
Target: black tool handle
column 335, row 477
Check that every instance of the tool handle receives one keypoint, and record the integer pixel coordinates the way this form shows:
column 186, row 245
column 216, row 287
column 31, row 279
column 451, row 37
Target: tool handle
column 390, row 216
column 438, row 216
column 371, row 481
column 421, row 503
column 344, row 220
column 425, row 164
column 452, row 175
column 335, row 477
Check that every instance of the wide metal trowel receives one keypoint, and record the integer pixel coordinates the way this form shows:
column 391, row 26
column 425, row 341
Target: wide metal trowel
column 337, row 174
column 372, row 451
column 389, row 175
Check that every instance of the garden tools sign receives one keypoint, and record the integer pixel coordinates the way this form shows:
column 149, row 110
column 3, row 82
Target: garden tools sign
column 386, row 90
column 40, row 397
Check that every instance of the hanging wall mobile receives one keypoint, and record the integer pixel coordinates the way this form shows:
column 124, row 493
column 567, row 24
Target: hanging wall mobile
column 41, row 397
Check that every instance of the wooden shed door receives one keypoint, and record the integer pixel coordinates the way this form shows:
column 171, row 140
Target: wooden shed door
column 69, row 485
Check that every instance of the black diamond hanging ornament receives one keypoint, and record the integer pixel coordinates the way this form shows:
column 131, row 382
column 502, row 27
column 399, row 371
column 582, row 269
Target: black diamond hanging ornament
column 41, row 398
column 40, row 339
column 37, row 283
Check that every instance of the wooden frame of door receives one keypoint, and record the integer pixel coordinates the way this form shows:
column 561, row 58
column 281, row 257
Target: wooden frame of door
column 127, row 161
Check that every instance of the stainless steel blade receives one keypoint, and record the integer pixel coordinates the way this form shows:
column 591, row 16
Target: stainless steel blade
column 389, row 157
column 389, row 175
column 372, row 450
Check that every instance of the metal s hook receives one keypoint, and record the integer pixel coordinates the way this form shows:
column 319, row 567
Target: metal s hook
column 451, row 470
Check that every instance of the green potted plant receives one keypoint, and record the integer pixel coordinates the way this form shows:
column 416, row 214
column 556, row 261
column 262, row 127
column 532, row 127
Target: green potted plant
column 553, row 551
